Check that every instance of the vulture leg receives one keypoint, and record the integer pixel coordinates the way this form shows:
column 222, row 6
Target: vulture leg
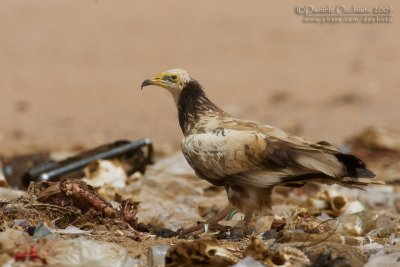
column 212, row 222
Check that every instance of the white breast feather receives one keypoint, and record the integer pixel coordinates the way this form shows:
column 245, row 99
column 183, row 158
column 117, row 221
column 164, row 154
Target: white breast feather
column 223, row 153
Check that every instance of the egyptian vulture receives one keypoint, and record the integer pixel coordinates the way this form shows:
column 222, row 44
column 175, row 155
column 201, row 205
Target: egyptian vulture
column 246, row 157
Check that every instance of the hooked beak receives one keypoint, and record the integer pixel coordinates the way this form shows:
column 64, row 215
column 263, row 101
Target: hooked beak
column 146, row 83
column 156, row 80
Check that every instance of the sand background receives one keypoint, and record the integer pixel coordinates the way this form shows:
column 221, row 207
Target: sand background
column 70, row 71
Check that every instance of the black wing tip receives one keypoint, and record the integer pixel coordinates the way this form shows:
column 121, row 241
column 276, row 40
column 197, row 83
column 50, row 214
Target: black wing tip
column 350, row 160
column 364, row 173
column 355, row 167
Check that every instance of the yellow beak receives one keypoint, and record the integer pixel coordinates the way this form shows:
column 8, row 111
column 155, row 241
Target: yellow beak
column 156, row 80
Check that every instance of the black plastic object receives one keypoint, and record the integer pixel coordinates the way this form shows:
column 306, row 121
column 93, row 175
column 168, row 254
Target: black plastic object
column 15, row 167
column 131, row 154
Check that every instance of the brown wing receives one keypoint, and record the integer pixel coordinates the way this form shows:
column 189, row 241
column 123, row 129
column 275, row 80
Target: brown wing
column 286, row 162
column 254, row 158
column 250, row 154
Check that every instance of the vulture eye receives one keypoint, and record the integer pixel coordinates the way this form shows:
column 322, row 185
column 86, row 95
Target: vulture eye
column 174, row 77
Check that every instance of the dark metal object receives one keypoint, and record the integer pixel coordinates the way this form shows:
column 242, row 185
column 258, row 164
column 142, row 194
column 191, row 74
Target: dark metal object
column 15, row 167
column 131, row 154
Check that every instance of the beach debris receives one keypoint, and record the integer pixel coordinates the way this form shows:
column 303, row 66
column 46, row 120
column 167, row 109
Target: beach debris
column 312, row 225
column 327, row 260
column 69, row 203
column 248, row 262
column 171, row 194
column 71, row 230
column 275, row 256
column 71, row 192
column 3, row 181
column 133, row 156
column 14, row 168
column 356, row 224
column 156, row 255
column 384, row 257
column 105, row 172
column 333, row 203
column 83, row 196
column 18, row 247
column 376, row 143
column 302, row 220
column 199, row 253
column 10, row 194
column 328, row 254
column 42, row 231
column 83, row 252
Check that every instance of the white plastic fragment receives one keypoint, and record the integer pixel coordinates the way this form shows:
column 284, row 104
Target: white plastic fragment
column 42, row 231
column 3, row 181
column 131, row 262
column 371, row 247
column 171, row 185
column 8, row 194
column 104, row 172
column 81, row 252
column 21, row 223
column 353, row 207
column 356, row 224
column 175, row 164
column 248, row 262
column 72, row 230
column 263, row 223
column 318, row 203
column 156, row 256
column 383, row 259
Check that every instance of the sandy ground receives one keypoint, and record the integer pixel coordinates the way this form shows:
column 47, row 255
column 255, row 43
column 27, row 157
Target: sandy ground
column 71, row 70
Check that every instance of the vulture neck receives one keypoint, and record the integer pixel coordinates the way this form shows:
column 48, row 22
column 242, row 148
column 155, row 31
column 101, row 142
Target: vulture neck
column 194, row 107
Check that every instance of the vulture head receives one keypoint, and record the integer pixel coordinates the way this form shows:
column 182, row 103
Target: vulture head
column 174, row 80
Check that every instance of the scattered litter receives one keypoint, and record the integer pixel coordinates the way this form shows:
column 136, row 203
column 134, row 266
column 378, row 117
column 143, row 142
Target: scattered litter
column 9, row 194
column 357, row 224
column 335, row 254
column 248, row 262
column 131, row 157
column 384, row 258
column 105, row 172
column 21, row 224
column 17, row 246
column 3, row 181
column 171, row 185
column 42, row 231
column 308, row 224
column 199, row 253
column 275, row 256
column 88, row 253
column 72, row 230
column 333, row 203
column 116, row 208
column 326, row 259
column 14, row 168
column 377, row 139
column 156, row 256
column 263, row 223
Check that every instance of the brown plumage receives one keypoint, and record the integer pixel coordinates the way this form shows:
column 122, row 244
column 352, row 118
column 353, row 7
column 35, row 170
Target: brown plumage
column 249, row 158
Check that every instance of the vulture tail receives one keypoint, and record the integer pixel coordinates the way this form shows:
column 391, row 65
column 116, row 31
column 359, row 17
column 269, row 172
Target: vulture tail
column 355, row 167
